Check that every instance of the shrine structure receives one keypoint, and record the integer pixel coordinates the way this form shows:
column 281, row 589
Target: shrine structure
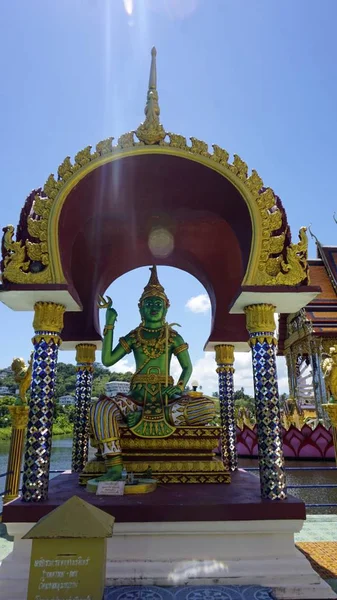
column 150, row 199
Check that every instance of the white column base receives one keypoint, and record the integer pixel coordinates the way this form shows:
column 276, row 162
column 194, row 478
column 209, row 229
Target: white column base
column 193, row 553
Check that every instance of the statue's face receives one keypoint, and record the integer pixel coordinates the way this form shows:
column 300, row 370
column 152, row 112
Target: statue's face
column 153, row 310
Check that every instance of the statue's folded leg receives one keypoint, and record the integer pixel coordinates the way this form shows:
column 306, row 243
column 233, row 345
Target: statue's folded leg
column 105, row 416
column 192, row 411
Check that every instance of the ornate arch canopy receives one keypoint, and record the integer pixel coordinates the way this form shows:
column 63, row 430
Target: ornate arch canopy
column 95, row 221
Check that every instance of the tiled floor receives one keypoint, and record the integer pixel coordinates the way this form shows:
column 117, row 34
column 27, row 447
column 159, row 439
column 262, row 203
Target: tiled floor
column 318, row 528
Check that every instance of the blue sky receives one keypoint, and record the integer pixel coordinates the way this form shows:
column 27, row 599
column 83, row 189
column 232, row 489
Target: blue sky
column 254, row 76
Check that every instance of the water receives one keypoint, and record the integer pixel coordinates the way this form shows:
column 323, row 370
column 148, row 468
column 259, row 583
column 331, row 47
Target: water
column 309, row 496
column 61, row 460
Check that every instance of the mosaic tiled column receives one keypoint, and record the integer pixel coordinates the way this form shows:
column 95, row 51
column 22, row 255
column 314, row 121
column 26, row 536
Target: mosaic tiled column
column 19, row 416
column 85, row 357
column 224, row 356
column 261, row 326
column 48, row 324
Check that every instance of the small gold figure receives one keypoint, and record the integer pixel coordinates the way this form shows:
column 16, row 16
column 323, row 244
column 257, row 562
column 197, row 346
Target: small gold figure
column 329, row 368
column 22, row 376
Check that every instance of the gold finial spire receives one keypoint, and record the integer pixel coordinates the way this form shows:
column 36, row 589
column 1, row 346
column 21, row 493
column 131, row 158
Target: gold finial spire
column 153, row 71
column 151, row 131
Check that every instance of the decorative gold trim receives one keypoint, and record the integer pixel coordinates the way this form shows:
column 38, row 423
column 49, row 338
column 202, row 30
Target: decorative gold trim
column 224, row 354
column 260, row 318
column 151, row 378
column 48, row 317
column 47, row 338
column 179, row 349
column 181, row 466
column 108, row 328
column 85, row 353
column 19, row 416
column 124, row 344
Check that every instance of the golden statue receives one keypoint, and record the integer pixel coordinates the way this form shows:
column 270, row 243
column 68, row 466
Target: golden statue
column 329, row 368
column 22, row 376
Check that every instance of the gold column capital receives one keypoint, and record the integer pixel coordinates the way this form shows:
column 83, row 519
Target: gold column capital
column 85, row 353
column 224, row 356
column 19, row 414
column 48, row 317
column 260, row 320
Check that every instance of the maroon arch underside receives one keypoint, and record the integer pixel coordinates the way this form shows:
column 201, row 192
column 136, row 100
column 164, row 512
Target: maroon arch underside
column 106, row 220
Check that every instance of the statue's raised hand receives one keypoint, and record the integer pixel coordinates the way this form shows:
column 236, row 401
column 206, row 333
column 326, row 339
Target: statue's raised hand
column 111, row 313
column 110, row 316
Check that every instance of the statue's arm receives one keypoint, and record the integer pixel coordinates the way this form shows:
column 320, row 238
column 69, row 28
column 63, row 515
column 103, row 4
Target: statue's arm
column 180, row 350
column 110, row 355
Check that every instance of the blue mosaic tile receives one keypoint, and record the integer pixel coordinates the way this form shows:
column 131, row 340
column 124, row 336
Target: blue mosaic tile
column 204, row 592
column 228, row 423
column 81, row 424
column 269, row 428
column 40, row 421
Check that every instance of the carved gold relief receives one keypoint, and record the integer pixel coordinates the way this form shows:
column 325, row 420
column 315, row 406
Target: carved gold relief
column 16, row 261
column 182, row 466
column 224, row 354
column 260, row 320
column 19, row 415
column 48, row 317
column 85, row 353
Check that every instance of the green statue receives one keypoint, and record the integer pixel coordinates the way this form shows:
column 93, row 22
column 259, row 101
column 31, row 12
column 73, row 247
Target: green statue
column 155, row 405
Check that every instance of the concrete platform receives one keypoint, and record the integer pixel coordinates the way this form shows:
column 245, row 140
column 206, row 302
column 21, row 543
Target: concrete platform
column 184, row 534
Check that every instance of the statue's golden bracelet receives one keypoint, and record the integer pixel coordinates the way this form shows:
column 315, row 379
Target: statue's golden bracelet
column 125, row 345
column 108, row 328
column 180, row 349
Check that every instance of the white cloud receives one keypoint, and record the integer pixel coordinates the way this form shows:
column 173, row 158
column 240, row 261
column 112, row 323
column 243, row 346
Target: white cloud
column 199, row 304
column 123, row 366
column 204, row 371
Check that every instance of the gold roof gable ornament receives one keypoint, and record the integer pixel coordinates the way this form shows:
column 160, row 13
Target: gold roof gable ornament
column 154, row 288
column 34, row 258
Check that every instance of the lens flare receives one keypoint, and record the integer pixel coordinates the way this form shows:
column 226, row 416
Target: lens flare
column 128, row 5
column 161, row 242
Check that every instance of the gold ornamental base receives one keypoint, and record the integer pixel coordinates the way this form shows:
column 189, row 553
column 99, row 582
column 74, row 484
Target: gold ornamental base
column 186, row 456
column 192, row 471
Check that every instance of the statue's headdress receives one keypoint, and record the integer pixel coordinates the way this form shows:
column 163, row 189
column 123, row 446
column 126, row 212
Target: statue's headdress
column 154, row 288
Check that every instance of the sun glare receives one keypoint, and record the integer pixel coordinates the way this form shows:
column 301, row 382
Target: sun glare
column 128, row 5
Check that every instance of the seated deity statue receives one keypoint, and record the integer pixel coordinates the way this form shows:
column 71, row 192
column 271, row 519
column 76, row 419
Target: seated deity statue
column 155, row 405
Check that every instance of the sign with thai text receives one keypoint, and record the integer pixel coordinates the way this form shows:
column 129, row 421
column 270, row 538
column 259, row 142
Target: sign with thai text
column 110, row 488
column 67, row 569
